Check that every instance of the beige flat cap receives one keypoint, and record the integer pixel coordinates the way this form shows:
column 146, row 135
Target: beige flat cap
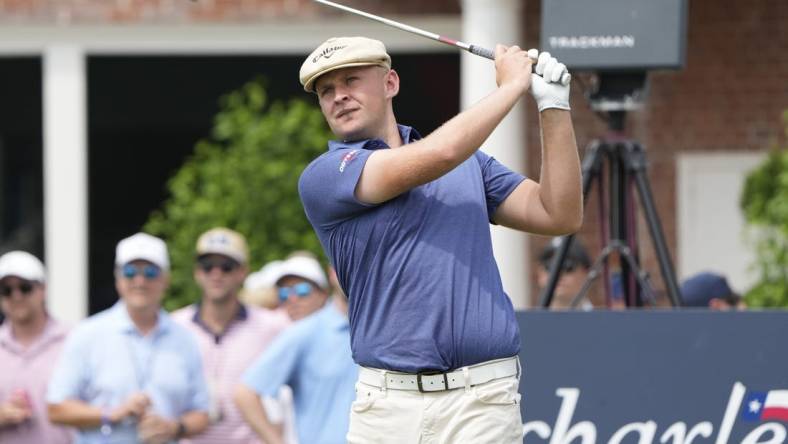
column 342, row 52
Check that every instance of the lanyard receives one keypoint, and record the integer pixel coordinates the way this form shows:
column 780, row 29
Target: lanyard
column 142, row 375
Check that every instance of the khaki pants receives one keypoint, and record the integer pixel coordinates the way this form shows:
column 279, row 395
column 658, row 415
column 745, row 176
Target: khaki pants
column 486, row 413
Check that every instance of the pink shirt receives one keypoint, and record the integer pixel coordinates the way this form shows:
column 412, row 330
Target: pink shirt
column 224, row 359
column 29, row 369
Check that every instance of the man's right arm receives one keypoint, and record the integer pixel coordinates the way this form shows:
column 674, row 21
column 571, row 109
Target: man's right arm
column 75, row 414
column 389, row 173
column 79, row 414
column 276, row 366
column 251, row 407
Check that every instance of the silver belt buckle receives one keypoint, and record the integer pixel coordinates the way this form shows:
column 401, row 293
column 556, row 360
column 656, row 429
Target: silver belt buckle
column 421, row 387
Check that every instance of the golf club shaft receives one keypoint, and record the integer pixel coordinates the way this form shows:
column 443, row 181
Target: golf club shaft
column 478, row 50
column 473, row 49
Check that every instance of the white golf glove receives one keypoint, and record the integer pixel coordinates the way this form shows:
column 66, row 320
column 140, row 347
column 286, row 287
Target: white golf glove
column 546, row 84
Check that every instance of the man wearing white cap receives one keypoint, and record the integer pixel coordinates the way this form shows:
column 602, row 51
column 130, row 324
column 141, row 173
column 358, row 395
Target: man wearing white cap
column 30, row 343
column 312, row 357
column 130, row 374
column 230, row 334
column 301, row 286
column 406, row 222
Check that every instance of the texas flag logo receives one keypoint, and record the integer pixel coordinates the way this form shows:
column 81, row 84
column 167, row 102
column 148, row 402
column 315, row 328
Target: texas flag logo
column 765, row 406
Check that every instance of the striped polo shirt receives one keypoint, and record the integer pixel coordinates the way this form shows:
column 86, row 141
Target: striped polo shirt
column 225, row 357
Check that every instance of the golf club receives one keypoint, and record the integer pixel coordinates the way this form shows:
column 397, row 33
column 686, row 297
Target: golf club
column 473, row 49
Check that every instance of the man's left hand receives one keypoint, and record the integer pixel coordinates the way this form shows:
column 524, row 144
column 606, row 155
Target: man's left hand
column 153, row 429
column 546, row 86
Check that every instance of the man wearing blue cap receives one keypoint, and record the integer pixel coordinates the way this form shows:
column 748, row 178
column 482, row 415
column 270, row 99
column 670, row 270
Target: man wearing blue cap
column 710, row 290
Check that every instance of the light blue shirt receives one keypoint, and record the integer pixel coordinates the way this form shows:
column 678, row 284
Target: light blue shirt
column 313, row 358
column 106, row 359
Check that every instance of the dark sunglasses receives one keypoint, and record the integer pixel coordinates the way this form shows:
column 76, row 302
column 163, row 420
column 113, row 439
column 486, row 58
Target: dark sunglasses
column 226, row 265
column 302, row 290
column 25, row 288
column 147, row 271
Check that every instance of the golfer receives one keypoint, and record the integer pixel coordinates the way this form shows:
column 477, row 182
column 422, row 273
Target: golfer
column 405, row 222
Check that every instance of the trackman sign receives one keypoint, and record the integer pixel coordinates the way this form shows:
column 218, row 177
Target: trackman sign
column 759, row 411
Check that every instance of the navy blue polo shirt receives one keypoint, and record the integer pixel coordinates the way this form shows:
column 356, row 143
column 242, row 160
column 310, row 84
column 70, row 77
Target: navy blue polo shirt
column 423, row 287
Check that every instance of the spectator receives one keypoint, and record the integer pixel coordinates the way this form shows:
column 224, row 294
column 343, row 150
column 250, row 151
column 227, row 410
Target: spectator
column 30, row 343
column 259, row 287
column 710, row 290
column 130, row 374
column 313, row 357
column 230, row 335
column 571, row 278
column 302, row 286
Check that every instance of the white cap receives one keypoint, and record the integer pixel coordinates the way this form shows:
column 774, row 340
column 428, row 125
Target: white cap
column 303, row 267
column 142, row 246
column 264, row 278
column 22, row 265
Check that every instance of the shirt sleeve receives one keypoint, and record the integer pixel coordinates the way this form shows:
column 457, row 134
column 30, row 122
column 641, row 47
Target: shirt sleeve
column 278, row 364
column 70, row 375
column 327, row 186
column 198, row 398
column 499, row 181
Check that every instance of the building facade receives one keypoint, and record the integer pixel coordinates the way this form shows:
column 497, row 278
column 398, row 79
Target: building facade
column 86, row 84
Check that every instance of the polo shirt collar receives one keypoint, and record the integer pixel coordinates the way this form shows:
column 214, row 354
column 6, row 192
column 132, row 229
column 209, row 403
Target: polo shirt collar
column 241, row 315
column 122, row 321
column 407, row 133
column 53, row 330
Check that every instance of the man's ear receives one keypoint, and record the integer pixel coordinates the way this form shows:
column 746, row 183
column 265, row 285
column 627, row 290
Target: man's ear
column 718, row 304
column 392, row 84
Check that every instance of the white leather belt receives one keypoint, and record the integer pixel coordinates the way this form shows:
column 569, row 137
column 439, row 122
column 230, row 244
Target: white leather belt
column 436, row 382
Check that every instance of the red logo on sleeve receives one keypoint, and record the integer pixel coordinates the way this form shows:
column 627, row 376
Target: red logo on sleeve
column 346, row 159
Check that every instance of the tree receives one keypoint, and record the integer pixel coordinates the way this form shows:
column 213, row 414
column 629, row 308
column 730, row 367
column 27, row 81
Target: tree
column 765, row 204
column 245, row 178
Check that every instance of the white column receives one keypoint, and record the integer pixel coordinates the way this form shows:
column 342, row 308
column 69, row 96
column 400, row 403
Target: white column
column 485, row 23
column 65, row 181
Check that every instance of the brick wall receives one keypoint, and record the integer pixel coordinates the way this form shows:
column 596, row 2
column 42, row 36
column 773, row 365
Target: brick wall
column 196, row 11
column 728, row 98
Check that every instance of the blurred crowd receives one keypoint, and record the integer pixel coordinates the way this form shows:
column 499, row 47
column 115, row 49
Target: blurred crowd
column 262, row 357
column 581, row 284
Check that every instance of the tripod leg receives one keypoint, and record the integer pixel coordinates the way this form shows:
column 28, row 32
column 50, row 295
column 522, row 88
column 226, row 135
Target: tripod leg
column 637, row 161
column 592, row 164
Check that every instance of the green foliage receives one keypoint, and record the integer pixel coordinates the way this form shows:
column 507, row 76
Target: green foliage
column 765, row 204
column 244, row 177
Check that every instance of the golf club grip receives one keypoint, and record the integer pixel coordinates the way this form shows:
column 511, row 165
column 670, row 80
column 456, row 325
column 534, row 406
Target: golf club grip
column 486, row 53
column 480, row 51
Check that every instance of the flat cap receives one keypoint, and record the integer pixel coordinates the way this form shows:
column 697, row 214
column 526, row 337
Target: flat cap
column 342, row 52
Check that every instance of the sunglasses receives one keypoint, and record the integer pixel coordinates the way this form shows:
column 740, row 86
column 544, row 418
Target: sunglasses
column 25, row 288
column 226, row 265
column 148, row 271
column 302, row 290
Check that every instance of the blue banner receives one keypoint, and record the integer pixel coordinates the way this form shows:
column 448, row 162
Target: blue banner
column 667, row 377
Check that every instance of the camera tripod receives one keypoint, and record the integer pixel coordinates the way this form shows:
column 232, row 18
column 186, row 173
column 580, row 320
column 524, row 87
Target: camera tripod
column 626, row 169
